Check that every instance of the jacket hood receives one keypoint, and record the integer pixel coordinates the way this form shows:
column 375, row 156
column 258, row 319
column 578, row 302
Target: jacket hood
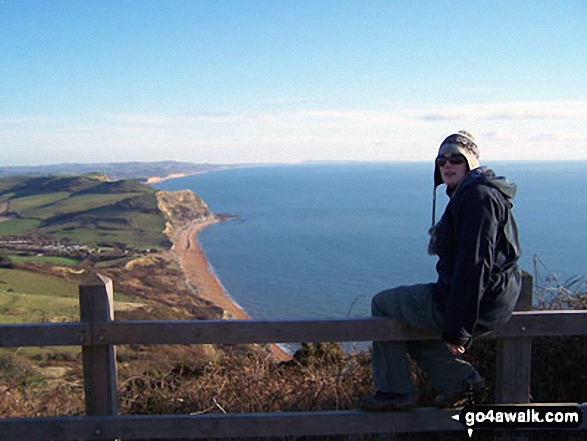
column 479, row 176
column 485, row 176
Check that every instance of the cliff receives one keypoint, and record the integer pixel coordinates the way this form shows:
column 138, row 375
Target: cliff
column 182, row 208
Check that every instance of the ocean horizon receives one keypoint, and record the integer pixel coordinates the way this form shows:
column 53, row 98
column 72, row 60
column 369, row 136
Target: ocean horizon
column 318, row 240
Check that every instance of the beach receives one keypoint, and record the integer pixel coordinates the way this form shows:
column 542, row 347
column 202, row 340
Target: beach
column 198, row 273
column 157, row 179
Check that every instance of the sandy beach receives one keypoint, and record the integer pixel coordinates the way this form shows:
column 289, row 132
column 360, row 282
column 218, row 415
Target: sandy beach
column 195, row 266
column 157, row 179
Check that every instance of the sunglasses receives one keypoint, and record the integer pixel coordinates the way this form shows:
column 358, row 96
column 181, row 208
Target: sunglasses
column 453, row 159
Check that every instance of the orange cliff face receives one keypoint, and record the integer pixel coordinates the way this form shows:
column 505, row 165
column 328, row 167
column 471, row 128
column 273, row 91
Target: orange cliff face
column 182, row 208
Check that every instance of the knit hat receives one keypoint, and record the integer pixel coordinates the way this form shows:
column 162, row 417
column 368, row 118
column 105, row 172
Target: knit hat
column 461, row 142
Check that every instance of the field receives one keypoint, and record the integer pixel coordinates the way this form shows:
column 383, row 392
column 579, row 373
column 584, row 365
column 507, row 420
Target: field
column 17, row 227
column 86, row 210
column 28, row 297
column 53, row 260
column 27, row 203
column 53, row 204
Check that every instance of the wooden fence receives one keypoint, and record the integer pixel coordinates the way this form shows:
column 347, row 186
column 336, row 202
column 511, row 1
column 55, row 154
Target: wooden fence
column 98, row 334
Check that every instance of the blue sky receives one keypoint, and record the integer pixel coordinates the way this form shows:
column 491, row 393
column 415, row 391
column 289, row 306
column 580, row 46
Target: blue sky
column 285, row 81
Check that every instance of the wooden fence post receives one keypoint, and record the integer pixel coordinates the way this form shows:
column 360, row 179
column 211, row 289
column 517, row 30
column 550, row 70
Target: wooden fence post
column 514, row 357
column 99, row 361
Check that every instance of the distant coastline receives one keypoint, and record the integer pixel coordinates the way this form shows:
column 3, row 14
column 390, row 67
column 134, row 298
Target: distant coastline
column 146, row 172
column 157, row 179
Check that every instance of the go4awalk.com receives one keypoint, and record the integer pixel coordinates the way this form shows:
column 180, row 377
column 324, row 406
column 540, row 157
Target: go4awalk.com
column 527, row 417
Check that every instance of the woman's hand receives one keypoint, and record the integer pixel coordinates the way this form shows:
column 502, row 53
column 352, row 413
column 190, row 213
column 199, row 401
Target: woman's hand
column 455, row 349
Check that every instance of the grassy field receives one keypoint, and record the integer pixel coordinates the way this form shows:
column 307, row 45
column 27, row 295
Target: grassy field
column 15, row 227
column 85, row 210
column 26, row 282
column 32, row 308
column 53, row 260
column 27, row 297
column 27, row 203
column 73, row 204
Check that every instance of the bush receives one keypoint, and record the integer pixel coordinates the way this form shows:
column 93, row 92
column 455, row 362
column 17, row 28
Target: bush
column 5, row 262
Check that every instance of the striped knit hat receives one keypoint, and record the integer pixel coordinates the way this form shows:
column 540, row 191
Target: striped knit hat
column 461, row 142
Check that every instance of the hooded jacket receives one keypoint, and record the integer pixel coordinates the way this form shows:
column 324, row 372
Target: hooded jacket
column 477, row 244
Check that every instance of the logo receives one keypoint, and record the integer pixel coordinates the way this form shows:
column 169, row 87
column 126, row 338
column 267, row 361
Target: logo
column 511, row 417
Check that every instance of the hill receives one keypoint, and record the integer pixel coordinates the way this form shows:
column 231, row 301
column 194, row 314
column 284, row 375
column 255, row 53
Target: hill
column 54, row 231
column 87, row 210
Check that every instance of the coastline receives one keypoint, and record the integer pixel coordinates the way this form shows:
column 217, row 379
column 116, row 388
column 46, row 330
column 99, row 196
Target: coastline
column 157, row 179
column 196, row 268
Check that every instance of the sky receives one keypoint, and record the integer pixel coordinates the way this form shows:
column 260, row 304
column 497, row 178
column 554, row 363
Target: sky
column 248, row 81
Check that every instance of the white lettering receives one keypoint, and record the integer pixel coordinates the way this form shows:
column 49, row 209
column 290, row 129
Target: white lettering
column 469, row 419
column 536, row 416
column 510, row 417
column 504, row 416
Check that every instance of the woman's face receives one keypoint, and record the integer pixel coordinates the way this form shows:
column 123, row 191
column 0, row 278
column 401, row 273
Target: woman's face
column 453, row 169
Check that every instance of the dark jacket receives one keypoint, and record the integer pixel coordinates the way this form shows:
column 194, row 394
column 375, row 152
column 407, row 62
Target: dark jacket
column 477, row 245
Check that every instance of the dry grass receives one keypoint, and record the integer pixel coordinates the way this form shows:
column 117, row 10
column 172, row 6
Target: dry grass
column 319, row 377
column 245, row 379
column 558, row 363
column 237, row 379
column 37, row 390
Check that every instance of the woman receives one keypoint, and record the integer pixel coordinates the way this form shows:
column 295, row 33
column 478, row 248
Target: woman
column 476, row 242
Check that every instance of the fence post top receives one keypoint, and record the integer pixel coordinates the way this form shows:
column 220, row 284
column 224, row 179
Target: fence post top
column 92, row 279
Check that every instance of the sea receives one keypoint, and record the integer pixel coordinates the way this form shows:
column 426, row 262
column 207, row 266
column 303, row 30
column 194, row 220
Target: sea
column 318, row 240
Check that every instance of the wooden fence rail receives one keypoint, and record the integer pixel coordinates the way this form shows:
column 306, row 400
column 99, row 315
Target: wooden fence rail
column 98, row 334
column 529, row 324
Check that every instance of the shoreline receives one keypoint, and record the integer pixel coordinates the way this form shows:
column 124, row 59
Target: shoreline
column 198, row 273
column 196, row 268
column 158, row 179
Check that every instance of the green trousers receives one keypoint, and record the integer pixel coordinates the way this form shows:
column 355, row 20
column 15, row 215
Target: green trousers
column 391, row 370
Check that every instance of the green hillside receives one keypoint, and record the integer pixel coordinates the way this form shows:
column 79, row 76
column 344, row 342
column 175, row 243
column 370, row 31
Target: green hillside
column 85, row 210
column 28, row 297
